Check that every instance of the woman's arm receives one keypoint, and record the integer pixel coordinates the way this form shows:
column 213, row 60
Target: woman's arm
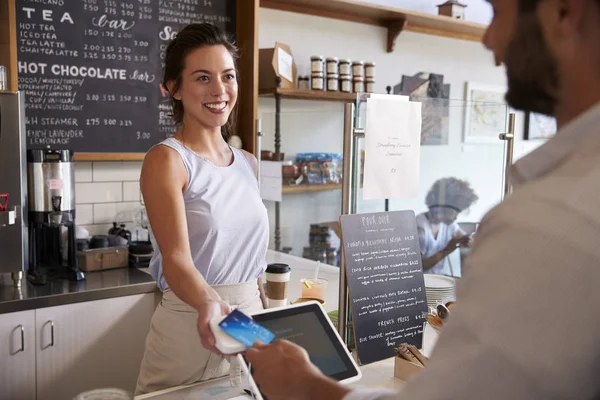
column 452, row 245
column 162, row 182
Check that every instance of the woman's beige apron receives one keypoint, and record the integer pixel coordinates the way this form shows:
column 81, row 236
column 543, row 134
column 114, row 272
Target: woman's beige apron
column 174, row 354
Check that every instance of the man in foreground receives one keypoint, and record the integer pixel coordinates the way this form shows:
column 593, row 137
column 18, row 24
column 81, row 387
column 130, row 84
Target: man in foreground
column 525, row 326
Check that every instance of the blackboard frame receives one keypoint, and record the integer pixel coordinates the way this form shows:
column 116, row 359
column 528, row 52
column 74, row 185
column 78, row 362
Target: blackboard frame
column 247, row 41
column 382, row 253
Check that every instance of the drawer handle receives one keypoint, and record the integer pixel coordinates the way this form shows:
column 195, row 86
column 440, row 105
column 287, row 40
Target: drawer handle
column 51, row 334
column 22, row 338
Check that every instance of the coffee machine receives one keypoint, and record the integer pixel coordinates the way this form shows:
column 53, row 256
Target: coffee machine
column 51, row 189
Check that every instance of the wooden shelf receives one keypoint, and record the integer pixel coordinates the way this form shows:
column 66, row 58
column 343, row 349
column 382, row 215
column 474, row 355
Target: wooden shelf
column 394, row 19
column 109, row 156
column 303, row 94
column 310, row 188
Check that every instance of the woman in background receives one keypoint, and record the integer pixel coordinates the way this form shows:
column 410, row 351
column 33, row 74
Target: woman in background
column 209, row 227
column 439, row 234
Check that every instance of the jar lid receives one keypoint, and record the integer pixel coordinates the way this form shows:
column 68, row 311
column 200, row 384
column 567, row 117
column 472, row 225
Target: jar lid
column 358, row 62
column 346, row 76
column 332, row 59
column 317, row 58
column 345, row 61
column 303, row 78
column 358, row 79
column 278, row 268
column 317, row 75
column 370, row 80
column 370, row 64
column 332, row 76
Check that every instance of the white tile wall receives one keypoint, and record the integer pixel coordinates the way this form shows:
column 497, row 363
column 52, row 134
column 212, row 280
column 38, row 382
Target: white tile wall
column 106, row 192
column 109, row 171
column 83, row 172
column 131, row 191
column 84, row 213
column 98, row 192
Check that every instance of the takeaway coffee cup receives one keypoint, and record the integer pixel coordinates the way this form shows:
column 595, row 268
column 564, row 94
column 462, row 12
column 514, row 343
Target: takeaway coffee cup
column 278, row 278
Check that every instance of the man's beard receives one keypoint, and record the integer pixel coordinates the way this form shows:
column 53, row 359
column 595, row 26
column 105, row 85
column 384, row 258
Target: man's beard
column 531, row 70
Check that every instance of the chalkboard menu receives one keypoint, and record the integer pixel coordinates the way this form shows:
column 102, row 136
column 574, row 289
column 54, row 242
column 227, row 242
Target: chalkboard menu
column 91, row 69
column 385, row 280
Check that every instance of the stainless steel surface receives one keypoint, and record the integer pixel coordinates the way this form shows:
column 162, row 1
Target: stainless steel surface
column 51, row 333
column 98, row 285
column 347, row 173
column 8, row 217
column 22, row 338
column 17, row 278
column 510, row 140
column 40, row 190
column 13, row 175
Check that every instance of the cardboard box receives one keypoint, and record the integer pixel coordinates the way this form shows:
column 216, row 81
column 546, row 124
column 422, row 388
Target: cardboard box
column 404, row 369
column 276, row 62
column 104, row 258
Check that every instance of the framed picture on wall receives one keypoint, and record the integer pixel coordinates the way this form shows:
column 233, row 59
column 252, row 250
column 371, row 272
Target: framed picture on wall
column 539, row 126
column 486, row 113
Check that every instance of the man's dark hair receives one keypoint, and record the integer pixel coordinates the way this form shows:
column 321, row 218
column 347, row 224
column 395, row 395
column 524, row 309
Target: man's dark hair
column 190, row 38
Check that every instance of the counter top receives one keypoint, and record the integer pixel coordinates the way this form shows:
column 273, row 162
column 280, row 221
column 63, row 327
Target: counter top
column 376, row 375
column 97, row 285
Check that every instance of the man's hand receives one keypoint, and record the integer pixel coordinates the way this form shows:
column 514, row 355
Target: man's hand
column 283, row 370
column 210, row 306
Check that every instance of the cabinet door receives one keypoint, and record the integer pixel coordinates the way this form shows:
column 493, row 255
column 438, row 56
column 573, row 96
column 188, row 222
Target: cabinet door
column 89, row 345
column 17, row 356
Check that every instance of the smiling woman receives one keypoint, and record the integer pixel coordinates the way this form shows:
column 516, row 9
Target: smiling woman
column 209, row 227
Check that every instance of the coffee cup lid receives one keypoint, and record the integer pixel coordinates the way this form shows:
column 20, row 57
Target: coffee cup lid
column 278, row 268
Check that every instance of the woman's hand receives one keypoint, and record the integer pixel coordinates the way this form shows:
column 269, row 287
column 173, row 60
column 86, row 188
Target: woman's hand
column 456, row 242
column 207, row 308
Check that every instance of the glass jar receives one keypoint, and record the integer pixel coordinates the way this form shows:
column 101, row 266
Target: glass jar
column 346, row 83
column 358, row 68
column 303, row 82
column 333, row 82
column 332, row 65
column 358, row 84
column 345, row 67
column 370, row 70
column 317, row 81
column 316, row 64
column 370, row 85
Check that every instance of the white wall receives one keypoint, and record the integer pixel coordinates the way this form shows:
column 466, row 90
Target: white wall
column 317, row 126
column 477, row 10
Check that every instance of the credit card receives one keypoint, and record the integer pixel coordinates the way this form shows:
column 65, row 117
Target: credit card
column 245, row 330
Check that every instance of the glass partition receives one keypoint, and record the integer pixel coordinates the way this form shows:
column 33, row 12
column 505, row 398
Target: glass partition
column 459, row 140
column 462, row 159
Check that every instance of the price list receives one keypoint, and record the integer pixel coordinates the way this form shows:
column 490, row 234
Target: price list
column 385, row 279
column 91, row 70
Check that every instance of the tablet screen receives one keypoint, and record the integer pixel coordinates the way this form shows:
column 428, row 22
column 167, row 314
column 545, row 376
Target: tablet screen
column 308, row 327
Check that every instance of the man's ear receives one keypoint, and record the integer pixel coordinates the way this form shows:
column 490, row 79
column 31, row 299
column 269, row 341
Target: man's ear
column 170, row 88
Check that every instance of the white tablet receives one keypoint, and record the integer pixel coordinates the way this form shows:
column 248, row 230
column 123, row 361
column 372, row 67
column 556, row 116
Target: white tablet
column 307, row 325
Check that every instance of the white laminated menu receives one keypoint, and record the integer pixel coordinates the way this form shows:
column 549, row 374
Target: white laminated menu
column 271, row 180
column 392, row 148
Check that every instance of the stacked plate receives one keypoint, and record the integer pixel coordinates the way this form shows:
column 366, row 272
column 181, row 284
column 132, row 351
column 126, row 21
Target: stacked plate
column 439, row 289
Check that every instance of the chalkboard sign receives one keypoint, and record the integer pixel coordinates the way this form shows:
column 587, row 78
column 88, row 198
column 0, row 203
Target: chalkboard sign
column 91, row 69
column 385, row 280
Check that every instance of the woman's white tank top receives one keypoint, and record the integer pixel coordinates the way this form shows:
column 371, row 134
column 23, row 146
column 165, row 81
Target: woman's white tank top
column 227, row 222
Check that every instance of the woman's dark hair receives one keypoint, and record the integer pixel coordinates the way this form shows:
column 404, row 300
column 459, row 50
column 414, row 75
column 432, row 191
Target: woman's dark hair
column 190, row 38
column 451, row 192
